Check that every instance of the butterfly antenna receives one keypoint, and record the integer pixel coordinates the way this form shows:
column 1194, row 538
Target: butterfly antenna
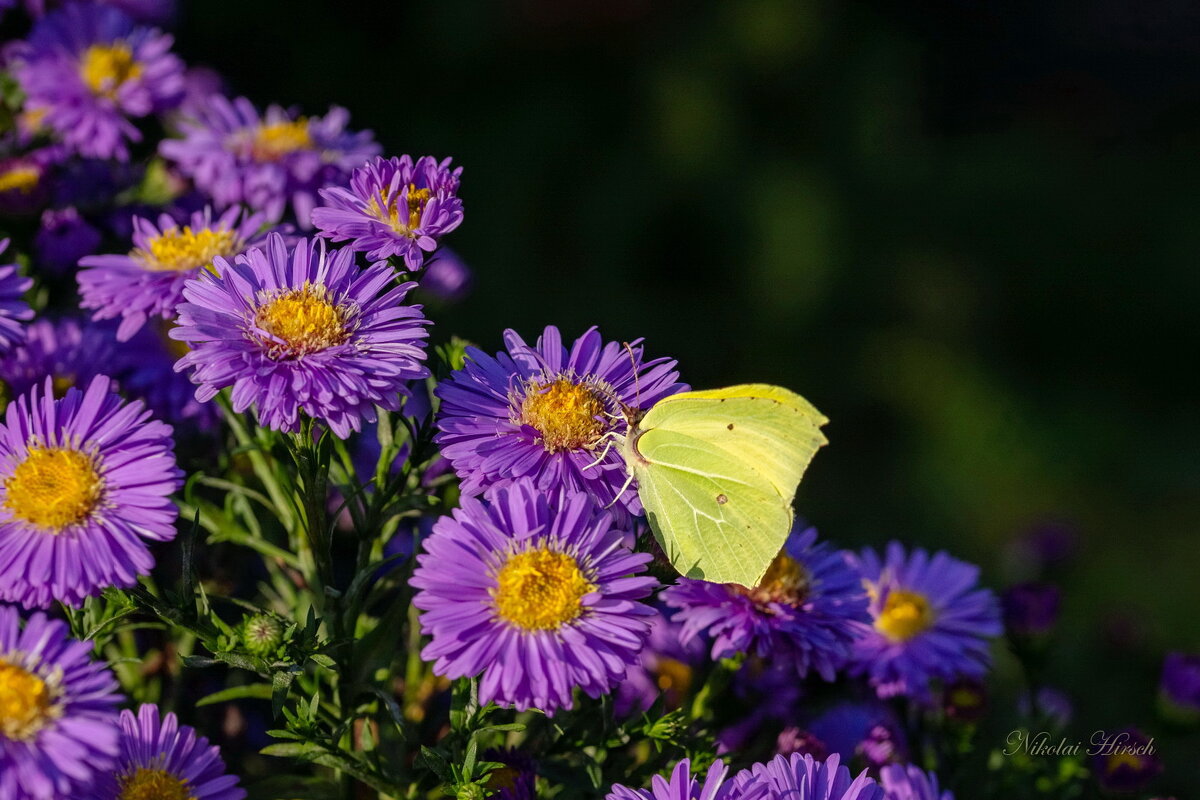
column 637, row 390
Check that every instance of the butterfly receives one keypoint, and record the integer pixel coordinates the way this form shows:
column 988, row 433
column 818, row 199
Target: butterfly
column 716, row 473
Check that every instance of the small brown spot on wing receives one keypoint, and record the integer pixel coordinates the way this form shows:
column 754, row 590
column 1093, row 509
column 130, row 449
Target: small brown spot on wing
column 729, row 426
column 722, row 499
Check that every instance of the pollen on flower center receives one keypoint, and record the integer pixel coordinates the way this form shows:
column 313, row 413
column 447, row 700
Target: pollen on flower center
column 26, row 702
column 153, row 784
column 540, row 590
column 386, row 209
column 786, row 581
column 565, row 413
column 273, row 142
column 904, row 615
column 302, row 321
column 104, row 67
column 53, row 488
column 21, row 178
column 176, row 250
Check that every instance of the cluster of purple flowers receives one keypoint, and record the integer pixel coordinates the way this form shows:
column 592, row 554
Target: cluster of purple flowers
column 269, row 258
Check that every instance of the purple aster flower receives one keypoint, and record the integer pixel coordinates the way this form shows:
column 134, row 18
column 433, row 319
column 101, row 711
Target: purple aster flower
column 1125, row 761
column 394, row 207
column 302, row 330
column 796, row 740
column 683, row 786
column 537, row 593
column 1053, row 706
column 1180, row 684
column 237, row 155
column 63, row 238
column 911, row 783
column 516, row 780
column 85, row 484
column 87, row 69
column 149, row 280
column 147, row 372
column 801, row 777
column 67, row 351
column 200, row 85
column 929, row 621
column 58, row 716
column 23, row 185
column 544, row 412
column 666, row 668
column 865, row 732
column 165, row 760
column 447, row 277
column 13, row 308
column 1030, row 609
column 802, row 613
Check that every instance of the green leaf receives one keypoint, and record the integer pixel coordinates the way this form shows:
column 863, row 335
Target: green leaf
column 257, row 691
column 281, row 682
column 303, row 750
column 435, row 762
column 323, row 660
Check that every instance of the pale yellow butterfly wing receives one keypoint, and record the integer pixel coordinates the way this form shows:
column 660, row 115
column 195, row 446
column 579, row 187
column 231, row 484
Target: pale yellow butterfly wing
column 717, row 471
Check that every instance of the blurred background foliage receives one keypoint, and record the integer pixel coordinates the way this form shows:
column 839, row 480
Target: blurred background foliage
column 967, row 231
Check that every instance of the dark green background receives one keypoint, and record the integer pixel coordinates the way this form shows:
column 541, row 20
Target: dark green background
column 967, row 231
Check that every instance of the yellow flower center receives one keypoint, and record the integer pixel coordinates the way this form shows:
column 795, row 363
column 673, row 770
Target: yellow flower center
column 904, row 615
column 673, row 676
column 153, row 784
column 34, row 118
column 302, row 321
column 786, row 581
column 566, row 414
column 20, row 178
column 540, row 590
column 53, row 488
column 1122, row 758
column 26, row 703
column 502, row 778
column 273, row 142
column 176, row 250
column 386, row 209
column 104, row 67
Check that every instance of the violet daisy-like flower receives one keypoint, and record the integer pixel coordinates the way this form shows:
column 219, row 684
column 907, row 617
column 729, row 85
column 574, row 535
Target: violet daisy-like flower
column 85, row 484
column 393, row 207
column 516, row 780
column 801, row 777
column 148, row 281
column 682, row 785
column 58, row 711
column 868, row 733
column 265, row 162
column 64, row 237
column 302, row 330
column 666, row 668
column 1179, row 687
column 543, row 412
column 67, row 351
column 87, row 69
column 929, row 621
column 902, row 782
column 535, row 592
column 802, row 614
column 163, row 760
column 13, row 308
